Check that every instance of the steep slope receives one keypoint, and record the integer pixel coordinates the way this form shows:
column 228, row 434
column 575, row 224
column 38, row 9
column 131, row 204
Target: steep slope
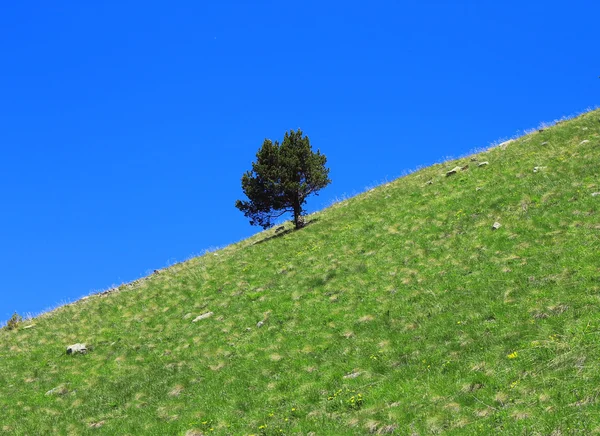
column 399, row 311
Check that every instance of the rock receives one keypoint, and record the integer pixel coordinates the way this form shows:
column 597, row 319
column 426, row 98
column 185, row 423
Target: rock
column 108, row 291
column 203, row 316
column 585, row 141
column 429, row 182
column 473, row 159
column 496, row 225
column 544, row 143
column 259, row 324
column 353, row 375
column 478, row 189
column 77, row 348
column 536, row 169
column 482, row 164
column 453, row 171
column 505, row 143
column 59, row 390
column 97, row 424
column 30, row 326
column 595, row 194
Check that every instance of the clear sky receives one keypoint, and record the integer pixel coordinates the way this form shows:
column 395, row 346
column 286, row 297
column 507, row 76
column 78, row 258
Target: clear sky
column 125, row 127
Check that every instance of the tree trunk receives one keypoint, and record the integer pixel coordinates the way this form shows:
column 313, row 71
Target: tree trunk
column 298, row 221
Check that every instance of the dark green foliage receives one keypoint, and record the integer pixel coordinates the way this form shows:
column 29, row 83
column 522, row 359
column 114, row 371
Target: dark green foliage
column 281, row 179
column 14, row 321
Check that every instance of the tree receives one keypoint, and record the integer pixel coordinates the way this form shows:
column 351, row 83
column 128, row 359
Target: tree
column 281, row 179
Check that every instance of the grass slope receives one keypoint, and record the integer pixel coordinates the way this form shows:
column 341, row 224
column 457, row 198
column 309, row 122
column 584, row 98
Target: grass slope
column 399, row 311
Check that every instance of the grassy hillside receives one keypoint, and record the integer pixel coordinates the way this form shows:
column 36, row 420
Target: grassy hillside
column 399, row 311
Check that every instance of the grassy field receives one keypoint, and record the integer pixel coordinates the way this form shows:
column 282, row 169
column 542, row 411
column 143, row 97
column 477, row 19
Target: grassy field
column 398, row 311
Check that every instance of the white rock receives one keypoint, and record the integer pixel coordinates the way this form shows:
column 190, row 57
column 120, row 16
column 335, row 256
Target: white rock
column 203, row 316
column 482, row 164
column 59, row 390
column 585, row 141
column 260, row 324
column 453, row 171
column 77, row 348
column 595, row 194
column 496, row 225
column 353, row 375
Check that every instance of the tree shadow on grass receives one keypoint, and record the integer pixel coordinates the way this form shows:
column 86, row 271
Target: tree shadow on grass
column 285, row 232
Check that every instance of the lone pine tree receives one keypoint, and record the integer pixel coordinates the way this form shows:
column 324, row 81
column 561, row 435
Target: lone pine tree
column 281, row 179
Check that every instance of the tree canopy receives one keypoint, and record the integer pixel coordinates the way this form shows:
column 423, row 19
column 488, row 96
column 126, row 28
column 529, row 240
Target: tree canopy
column 281, row 179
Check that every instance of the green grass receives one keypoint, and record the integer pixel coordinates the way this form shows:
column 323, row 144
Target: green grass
column 398, row 311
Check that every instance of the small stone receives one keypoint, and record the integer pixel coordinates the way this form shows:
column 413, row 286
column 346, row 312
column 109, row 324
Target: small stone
column 353, row 375
column 30, row 326
column 505, row 143
column 453, row 171
column 478, row 189
column 482, row 164
column 473, row 159
column 259, row 324
column 59, row 390
column 496, row 225
column 585, row 141
column 584, row 128
column 97, row 424
column 108, row 291
column 429, row 182
column 536, row 169
column 595, row 194
column 544, row 143
column 77, row 348
column 203, row 316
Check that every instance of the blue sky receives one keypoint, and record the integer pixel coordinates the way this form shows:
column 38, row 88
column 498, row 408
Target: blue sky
column 125, row 127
